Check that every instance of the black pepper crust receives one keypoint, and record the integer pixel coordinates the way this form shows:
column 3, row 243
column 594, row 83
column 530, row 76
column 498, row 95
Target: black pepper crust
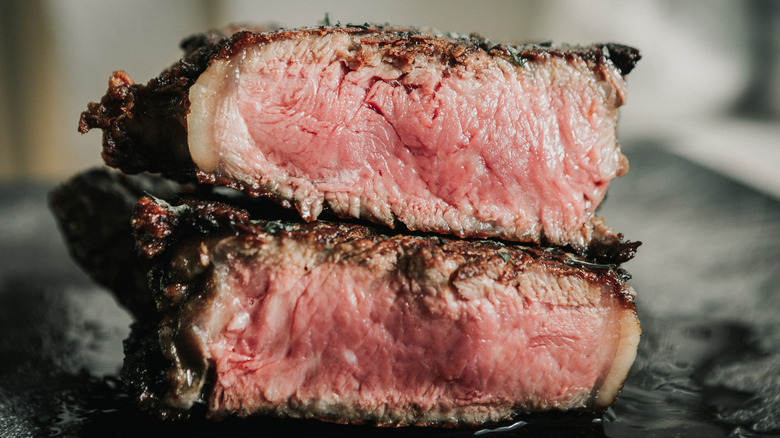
column 144, row 126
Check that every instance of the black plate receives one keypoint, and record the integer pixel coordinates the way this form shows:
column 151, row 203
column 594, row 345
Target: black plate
column 707, row 279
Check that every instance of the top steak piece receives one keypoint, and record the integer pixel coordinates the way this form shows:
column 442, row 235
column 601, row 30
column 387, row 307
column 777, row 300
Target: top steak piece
column 443, row 134
column 339, row 322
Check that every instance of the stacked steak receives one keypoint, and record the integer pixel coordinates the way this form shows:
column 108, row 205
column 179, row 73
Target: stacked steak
column 430, row 253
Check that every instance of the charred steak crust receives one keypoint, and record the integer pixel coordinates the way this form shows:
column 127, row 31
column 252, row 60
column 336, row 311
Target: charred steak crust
column 173, row 236
column 144, row 371
column 144, row 126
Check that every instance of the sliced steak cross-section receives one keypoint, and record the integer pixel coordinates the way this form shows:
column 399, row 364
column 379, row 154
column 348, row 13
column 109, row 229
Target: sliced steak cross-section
column 342, row 323
column 451, row 135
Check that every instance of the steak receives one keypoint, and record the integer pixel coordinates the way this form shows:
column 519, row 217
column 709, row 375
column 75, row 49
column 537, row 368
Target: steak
column 444, row 134
column 340, row 322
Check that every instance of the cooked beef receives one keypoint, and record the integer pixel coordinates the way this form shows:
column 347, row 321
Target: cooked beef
column 445, row 134
column 371, row 328
column 340, row 322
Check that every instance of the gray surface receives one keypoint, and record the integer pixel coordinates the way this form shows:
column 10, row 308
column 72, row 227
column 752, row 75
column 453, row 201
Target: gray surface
column 708, row 299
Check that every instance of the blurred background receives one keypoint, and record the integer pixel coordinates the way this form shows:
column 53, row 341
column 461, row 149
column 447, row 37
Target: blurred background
column 709, row 83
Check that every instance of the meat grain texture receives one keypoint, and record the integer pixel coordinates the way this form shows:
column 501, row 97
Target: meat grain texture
column 437, row 138
column 397, row 126
column 338, row 322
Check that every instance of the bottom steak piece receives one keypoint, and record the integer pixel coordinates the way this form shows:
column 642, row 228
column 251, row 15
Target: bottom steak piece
column 339, row 322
